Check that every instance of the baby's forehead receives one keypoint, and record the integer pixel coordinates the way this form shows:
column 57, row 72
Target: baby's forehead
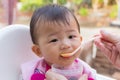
column 50, row 26
column 56, row 28
column 59, row 25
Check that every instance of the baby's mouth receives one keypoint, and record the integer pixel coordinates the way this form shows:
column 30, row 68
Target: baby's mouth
column 66, row 54
column 70, row 53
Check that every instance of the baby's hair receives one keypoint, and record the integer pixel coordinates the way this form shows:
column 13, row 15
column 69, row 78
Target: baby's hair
column 49, row 14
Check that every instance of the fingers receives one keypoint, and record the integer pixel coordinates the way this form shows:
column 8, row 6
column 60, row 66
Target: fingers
column 109, row 36
column 114, row 55
column 100, row 45
column 50, row 75
column 108, row 49
column 84, row 77
column 103, row 47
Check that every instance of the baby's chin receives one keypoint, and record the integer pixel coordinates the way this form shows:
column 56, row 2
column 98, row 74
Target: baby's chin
column 65, row 63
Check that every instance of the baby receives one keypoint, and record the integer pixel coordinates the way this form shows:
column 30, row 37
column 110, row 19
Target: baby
column 55, row 31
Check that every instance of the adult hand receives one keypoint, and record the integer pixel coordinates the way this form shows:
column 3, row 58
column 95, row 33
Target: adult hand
column 109, row 43
column 50, row 75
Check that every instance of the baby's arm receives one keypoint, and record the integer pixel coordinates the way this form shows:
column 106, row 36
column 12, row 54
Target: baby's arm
column 84, row 77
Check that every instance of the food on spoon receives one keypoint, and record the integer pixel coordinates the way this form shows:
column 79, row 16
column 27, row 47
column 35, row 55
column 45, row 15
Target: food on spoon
column 70, row 54
column 66, row 54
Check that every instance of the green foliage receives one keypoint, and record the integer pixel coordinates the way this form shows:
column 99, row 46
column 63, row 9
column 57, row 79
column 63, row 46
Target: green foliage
column 114, row 11
column 31, row 5
column 101, row 1
column 83, row 11
column 62, row 2
column 77, row 2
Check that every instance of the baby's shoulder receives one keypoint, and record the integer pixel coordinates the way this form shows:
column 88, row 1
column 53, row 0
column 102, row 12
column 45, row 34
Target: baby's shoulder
column 31, row 63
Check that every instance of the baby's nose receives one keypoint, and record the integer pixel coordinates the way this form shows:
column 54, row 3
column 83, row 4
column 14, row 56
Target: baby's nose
column 65, row 45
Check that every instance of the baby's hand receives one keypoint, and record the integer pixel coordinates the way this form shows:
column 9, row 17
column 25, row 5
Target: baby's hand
column 50, row 75
column 84, row 77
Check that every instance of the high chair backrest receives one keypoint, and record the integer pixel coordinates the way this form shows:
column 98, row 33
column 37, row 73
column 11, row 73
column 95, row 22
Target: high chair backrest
column 15, row 49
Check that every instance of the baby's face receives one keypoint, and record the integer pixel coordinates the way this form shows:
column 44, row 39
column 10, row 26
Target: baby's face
column 58, row 39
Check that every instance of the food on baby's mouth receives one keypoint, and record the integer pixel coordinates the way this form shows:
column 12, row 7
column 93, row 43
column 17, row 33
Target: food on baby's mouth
column 66, row 54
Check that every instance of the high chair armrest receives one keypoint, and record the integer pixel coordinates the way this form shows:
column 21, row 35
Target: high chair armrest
column 102, row 77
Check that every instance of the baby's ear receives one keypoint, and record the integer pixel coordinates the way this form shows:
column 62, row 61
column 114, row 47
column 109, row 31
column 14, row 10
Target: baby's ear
column 36, row 50
column 81, row 38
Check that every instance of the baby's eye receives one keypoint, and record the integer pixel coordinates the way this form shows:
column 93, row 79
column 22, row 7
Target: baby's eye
column 71, row 36
column 54, row 40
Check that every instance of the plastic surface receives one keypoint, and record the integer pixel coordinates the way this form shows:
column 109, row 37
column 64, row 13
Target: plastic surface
column 15, row 49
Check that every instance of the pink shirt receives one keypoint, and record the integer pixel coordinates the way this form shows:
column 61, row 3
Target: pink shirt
column 29, row 69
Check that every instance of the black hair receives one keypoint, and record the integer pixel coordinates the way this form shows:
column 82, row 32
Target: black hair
column 54, row 13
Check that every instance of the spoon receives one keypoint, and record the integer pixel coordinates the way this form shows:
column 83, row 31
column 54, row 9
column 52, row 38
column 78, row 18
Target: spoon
column 72, row 53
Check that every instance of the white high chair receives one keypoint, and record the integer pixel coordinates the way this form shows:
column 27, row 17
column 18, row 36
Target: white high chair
column 15, row 49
